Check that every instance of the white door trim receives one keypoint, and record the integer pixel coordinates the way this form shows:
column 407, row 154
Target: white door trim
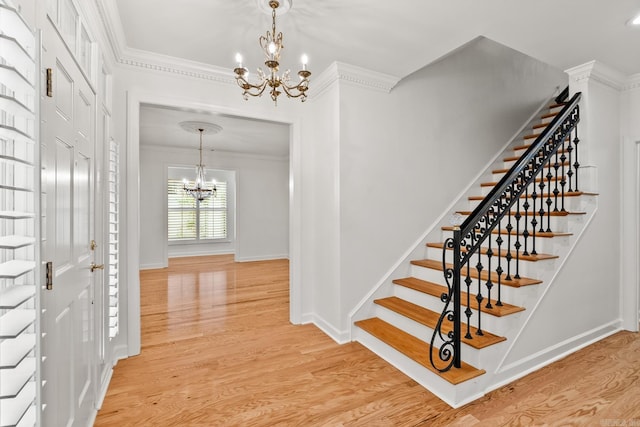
column 131, row 231
column 630, row 234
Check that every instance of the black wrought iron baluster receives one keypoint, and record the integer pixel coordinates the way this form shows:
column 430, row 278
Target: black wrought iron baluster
column 489, row 281
column 542, row 185
column 576, row 164
column 563, row 181
column 468, row 281
column 499, row 270
column 534, row 221
column 549, row 202
column 525, row 232
column 570, row 171
column 479, row 297
column 556, row 191
column 508, row 256
column 517, row 244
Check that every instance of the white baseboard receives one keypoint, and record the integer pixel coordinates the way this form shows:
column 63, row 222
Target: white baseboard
column 547, row 356
column 262, row 257
column 153, row 266
column 186, row 254
column 103, row 390
column 341, row 337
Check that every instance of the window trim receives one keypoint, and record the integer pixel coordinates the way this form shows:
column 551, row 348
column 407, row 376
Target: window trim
column 226, row 176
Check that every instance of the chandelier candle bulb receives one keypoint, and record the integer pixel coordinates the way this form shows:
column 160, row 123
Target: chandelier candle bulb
column 239, row 60
column 304, row 60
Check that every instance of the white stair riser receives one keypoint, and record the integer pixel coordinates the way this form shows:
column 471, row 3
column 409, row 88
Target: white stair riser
column 544, row 245
column 515, row 296
column 571, row 203
column 497, row 325
column 422, row 332
column 558, row 224
column 452, row 394
column 526, row 269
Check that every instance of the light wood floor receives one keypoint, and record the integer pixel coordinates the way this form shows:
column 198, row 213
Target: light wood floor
column 218, row 349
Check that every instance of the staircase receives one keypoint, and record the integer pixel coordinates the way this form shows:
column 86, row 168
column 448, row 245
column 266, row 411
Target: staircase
column 512, row 259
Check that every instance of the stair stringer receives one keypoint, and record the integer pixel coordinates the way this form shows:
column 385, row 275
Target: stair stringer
column 402, row 267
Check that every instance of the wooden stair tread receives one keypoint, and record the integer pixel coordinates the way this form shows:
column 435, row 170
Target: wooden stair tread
column 557, row 179
column 503, row 253
column 557, row 105
column 544, row 195
column 505, row 170
column 515, row 283
column 544, row 234
column 553, row 213
column 430, row 318
column 415, row 349
column 437, row 290
column 546, row 116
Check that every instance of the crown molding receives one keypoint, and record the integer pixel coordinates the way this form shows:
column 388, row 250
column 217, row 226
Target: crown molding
column 600, row 73
column 633, row 82
column 368, row 79
column 170, row 64
column 136, row 58
column 353, row 75
column 110, row 20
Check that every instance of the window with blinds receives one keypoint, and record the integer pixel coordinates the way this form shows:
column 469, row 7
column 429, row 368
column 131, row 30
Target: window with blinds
column 192, row 220
column 19, row 296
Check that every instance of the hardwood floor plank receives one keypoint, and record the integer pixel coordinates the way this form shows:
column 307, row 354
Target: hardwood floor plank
column 218, row 350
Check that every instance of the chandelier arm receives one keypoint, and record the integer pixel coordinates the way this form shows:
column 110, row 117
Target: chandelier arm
column 300, row 87
column 244, row 84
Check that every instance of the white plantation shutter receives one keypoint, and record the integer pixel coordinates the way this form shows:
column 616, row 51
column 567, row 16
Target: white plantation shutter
column 19, row 296
column 191, row 220
column 213, row 215
column 114, row 248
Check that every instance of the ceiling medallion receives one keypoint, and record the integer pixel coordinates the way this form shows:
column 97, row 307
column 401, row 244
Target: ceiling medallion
column 271, row 44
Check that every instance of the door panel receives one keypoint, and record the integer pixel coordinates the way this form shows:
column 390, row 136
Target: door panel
column 68, row 139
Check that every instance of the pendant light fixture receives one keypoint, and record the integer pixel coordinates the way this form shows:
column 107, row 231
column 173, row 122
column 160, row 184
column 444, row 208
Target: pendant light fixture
column 200, row 189
column 271, row 45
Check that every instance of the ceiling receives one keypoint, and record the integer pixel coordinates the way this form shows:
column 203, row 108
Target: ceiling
column 160, row 126
column 392, row 37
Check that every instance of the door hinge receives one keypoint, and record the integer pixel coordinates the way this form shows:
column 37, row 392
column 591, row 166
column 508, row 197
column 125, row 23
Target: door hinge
column 49, row 82
column 49, row 276
column 93, row 245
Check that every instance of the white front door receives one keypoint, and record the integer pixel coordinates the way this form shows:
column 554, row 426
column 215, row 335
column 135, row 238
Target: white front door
column 69, row 348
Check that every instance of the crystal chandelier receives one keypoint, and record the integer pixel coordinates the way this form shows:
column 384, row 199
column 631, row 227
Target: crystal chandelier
column 271, row 44
column 200, row 189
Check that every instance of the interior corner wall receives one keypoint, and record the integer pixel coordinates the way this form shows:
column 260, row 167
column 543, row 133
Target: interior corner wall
column 405, row 155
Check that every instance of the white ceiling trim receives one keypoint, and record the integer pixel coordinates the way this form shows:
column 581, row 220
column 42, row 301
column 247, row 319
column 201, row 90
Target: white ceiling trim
column 599, row 72
column 351, row 74
column 633, row 82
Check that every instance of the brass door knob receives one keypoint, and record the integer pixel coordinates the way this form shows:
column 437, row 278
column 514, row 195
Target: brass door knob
column 93, row 267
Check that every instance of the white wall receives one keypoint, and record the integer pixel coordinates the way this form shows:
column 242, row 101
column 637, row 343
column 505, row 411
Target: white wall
column 262, row 210
column 630, row 243
column 404, row 156
column 320, row 226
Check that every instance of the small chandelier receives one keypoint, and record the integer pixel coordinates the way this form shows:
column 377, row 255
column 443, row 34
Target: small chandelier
column 199, row 189
column 271, row 44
